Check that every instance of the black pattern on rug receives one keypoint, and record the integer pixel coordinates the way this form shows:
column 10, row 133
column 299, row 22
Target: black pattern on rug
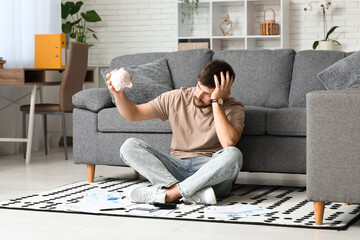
column 292, row 208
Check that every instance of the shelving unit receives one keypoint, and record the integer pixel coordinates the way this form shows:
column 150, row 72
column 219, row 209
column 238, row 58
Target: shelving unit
column 246, row 15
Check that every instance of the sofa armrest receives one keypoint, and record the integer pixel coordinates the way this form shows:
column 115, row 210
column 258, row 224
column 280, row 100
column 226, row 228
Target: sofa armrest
column 93, row 99
column 333, row 145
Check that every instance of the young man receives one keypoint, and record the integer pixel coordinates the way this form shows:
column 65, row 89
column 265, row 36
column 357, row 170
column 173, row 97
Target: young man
column 206, row 125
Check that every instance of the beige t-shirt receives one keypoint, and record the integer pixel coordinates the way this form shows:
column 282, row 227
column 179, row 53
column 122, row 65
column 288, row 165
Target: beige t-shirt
column 193, row 128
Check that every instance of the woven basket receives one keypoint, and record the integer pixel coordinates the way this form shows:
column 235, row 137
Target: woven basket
column 193, row 45
column 269, row 27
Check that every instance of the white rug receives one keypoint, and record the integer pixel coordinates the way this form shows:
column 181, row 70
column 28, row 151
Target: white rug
column 292, row 208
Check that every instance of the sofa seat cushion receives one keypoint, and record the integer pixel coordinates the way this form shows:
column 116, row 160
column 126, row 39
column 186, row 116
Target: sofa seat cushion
column 286, row 122
column 255, row 118
column 110, row 120
column 263, row 77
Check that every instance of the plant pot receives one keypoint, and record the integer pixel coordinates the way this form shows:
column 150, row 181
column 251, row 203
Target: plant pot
column 326, row 45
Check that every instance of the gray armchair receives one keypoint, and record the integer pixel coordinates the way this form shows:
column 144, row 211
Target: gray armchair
column 333, row 148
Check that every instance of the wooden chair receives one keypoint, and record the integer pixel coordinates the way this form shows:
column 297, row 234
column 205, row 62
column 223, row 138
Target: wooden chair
column 71, row 83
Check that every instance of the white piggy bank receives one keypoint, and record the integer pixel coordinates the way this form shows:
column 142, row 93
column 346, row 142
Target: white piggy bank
column 121, row 79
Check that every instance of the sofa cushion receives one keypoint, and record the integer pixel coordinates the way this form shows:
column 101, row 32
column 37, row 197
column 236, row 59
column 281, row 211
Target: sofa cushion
column 93, row 99
column 263, row 77
column 286, row 122
column 185, row 66
column 134, row 59
column 110, row 120
column 149, row 81
column 307, row 65
column 255, row 118
column 342, row 74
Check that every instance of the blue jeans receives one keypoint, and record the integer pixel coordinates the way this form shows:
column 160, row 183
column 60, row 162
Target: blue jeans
column 192, row 174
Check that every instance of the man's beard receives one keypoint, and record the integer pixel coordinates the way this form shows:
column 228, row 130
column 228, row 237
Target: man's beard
column 201, row 105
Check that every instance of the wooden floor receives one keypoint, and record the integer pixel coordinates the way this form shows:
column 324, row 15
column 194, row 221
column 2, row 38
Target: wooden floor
column 47, row 172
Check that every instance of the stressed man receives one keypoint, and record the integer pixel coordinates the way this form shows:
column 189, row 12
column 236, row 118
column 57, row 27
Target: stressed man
column 206, row 124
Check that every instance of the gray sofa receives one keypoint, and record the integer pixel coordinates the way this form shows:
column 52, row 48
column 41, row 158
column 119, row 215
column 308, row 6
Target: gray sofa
column 271, row 83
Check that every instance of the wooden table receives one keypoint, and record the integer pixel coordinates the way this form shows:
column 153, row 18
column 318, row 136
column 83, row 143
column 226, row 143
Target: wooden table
column 31, row 77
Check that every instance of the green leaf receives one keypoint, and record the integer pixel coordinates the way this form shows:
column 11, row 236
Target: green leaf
column 90, row 30
column 316, row 43
column 90, row 45
column 65, row 10
column 66, row 27
column 69, row 5
column 80, row 39
column 330, row 32
column 76, row 7
column 95, row 37
column 91, row 16
column 72, row 35
column 336, row 42
column 77, row 21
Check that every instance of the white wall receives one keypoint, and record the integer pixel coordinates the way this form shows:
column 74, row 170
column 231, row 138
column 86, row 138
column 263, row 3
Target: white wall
column 133, row 26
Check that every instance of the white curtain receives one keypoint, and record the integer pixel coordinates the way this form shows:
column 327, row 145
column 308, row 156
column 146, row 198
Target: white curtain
column 20, row 20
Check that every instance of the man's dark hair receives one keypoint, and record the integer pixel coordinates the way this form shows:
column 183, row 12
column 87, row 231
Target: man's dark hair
column 214, row 67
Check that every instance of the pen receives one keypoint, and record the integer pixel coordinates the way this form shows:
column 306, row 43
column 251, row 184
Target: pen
column 111, row 209
column 146, row 209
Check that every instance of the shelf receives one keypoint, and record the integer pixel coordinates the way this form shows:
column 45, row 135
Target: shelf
column 196, row 37
column 228, row 37
column 263, row 36
column 246, row 15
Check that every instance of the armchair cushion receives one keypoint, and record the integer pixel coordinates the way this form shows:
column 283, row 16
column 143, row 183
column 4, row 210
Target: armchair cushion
column 93, row 99
column 343, row 74
column 149, row 81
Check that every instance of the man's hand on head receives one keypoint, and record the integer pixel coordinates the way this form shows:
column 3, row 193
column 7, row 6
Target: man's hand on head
column 222, row 90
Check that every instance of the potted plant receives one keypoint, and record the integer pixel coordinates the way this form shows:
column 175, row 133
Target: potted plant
column 188, row 8
column 76, row 27
column 326, row 43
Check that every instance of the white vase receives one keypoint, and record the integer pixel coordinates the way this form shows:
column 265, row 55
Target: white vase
column 326, row 45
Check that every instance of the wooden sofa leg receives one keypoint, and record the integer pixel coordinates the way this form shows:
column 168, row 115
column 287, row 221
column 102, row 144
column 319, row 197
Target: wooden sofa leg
column 136, row 175
column 346, row 203
column 91, row 172
column 319, row 212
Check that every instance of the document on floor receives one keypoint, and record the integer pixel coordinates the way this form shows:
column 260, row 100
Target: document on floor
column 236, row 210
column 98, row 202
column 148, row 210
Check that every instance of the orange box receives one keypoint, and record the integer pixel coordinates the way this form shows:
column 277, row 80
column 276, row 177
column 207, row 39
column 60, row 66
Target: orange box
column 50, row 51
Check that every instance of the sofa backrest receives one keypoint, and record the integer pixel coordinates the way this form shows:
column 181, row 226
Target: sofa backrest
column 263, row 77
column 184, row 66
column 307, row 65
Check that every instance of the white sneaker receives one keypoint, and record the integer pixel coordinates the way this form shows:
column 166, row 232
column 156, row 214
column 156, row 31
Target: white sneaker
column 146, row 194
column 204, row 196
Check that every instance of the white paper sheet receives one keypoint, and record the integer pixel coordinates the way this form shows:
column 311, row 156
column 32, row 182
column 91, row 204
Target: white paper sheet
column 96, row 206
column 237, row 210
